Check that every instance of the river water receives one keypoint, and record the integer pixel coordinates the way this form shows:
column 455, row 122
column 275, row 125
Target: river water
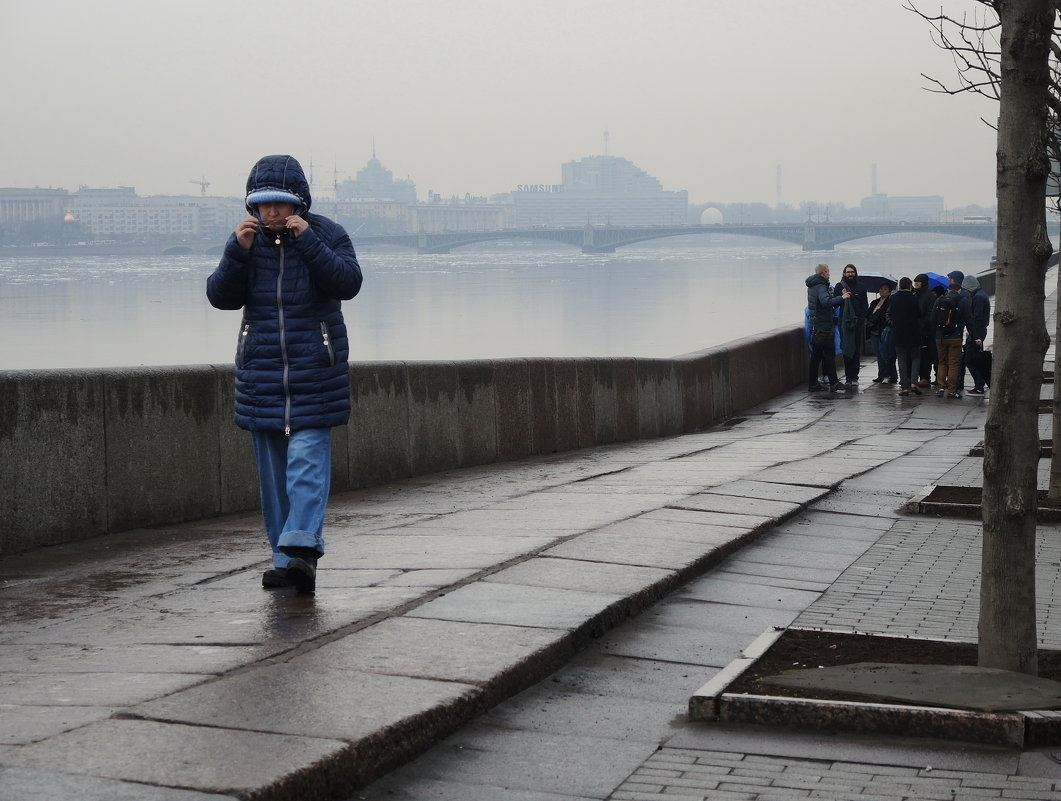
column 654, row 299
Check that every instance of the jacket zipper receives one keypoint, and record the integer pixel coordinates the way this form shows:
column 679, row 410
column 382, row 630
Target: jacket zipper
column 328, row 342
column 243, row 340
column 283, row 344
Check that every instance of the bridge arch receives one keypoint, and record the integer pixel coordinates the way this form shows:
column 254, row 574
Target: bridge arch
column 606, row 239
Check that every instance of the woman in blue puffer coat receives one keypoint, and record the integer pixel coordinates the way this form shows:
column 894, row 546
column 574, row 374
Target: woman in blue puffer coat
column 289, row 270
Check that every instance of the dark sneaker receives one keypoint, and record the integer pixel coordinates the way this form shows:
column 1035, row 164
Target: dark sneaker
column 915, row 390
column 877, row 380
column 940, row 393
column 303, row 574
column 924, row 384
column 974, row 391
column 275, row 577
column 956, row 395
column 836, row 387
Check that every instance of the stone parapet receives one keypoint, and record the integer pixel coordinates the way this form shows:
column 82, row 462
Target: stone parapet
column 94, row 451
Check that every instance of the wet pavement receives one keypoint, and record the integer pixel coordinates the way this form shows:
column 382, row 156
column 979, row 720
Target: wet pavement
column 529, row 631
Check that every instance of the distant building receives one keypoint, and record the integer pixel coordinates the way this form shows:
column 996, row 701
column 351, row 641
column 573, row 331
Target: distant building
column 21, row 207
column 376, row 182
column 467, row 214
column 119, row 213
column 926, row 208
column 599, row 190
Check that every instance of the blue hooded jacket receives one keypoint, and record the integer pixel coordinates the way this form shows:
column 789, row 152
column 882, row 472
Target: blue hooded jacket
column 292, row 369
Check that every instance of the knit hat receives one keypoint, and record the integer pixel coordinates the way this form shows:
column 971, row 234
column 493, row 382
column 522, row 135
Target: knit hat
column 957, row 276
column 267, row 195
column 922, row 279
column 970, row 283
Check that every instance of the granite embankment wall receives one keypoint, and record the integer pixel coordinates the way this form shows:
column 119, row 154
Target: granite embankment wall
column 88, row 452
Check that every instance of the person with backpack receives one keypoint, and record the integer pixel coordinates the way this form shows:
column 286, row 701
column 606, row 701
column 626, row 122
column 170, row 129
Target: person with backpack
column 977, row 309
column 949, row 320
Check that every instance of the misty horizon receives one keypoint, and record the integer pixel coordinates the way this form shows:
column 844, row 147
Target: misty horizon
column 477, row 96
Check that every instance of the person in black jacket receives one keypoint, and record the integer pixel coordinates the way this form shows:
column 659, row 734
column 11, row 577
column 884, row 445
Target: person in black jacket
column 949, row 320
column 289, row 270
column 904, row 316
column 880, row 335
column 977, row 308
column 926, row 299
column 852, row 334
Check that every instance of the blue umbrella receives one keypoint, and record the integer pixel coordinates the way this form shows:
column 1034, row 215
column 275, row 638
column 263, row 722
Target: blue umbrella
column 935, row 279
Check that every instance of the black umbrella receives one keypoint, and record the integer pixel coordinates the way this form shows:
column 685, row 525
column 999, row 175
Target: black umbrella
column 872, row 282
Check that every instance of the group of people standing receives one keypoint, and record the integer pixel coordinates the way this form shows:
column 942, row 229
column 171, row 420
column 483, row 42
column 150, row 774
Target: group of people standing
column 916, row 331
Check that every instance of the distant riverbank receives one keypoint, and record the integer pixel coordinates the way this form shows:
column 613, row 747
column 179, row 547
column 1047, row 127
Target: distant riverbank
column 102, row 249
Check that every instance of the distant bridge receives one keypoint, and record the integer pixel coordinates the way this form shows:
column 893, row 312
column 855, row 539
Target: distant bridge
column 605, row 239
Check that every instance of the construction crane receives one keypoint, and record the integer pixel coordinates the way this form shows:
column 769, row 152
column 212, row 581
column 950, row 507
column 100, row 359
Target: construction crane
column 203, row 183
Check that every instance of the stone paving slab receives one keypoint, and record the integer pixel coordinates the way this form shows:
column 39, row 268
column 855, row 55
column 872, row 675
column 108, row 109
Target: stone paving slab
column 23, row 722
column 627, row 580
column 671, row 548
column 752, row 488
column 743, row 593
column 282, row 617
column 309, row 700
column 531, row 761
column 144, row 751
column 18, row 784
column 522, row 605
column 758, row 508
column 472, row 653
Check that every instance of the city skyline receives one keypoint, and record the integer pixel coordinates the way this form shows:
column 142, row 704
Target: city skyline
column 479, row 96
column 326, row 193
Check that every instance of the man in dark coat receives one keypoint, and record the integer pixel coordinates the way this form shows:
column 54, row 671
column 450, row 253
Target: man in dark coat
column 820, row 306
column 853, row 323
column 289, row 270
column 977, row 309
column 949, row 320
column 926, row 299
column 904, row 316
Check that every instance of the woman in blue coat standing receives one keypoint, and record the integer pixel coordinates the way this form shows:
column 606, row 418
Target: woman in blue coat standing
column 289, row 270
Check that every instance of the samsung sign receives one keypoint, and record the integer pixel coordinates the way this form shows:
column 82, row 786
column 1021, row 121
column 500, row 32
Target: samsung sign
column 539, row 187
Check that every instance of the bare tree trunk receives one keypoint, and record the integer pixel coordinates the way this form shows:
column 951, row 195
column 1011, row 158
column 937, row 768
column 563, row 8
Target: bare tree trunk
column 1054, row 492
column 1011, row 442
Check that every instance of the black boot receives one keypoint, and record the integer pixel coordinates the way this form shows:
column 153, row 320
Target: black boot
column 302, row 569
column 275, row 577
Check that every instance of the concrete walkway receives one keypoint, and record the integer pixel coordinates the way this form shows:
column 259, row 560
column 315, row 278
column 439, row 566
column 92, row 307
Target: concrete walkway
column 533, row 630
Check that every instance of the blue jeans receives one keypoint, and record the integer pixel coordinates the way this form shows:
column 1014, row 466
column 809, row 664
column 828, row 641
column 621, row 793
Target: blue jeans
column 885, row 357
column 294, row 475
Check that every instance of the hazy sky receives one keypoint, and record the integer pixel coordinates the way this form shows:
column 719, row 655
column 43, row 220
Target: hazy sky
column 476, row 96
